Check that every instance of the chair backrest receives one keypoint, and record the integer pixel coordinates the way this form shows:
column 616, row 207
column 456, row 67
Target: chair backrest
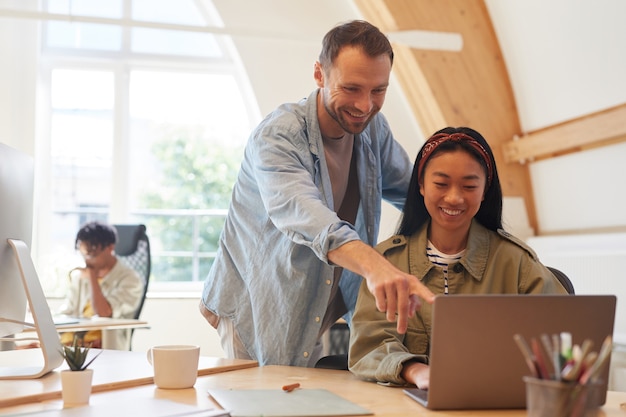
column 563, row 279
column 133, row 248
column 338, row 341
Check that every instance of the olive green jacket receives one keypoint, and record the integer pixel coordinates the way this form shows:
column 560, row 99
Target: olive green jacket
column 494, row 263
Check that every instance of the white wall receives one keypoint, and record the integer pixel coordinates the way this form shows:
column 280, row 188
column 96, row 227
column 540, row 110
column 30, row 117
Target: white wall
column 18, row 79
column 566, row 59
column 581, row 190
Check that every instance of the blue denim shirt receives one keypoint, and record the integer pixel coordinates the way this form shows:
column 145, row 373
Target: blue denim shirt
column 271, row 275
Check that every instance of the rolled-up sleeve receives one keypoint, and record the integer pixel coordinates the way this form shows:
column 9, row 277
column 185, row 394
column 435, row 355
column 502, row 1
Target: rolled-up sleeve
column 377, row 350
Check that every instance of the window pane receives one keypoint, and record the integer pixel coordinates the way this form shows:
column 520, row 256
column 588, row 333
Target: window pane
column 170, row 42
column 76, row 89
column 189, row 131
column 184, row 12
column 81, row 152
column 108, row 8
column 170, row 161
column 84, row 36
column 81, row 138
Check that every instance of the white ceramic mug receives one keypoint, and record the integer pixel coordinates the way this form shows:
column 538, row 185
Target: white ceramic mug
column 175, row 366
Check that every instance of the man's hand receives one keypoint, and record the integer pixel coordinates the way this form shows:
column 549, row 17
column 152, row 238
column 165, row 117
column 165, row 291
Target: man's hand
column 99, row 302
column 397, row 294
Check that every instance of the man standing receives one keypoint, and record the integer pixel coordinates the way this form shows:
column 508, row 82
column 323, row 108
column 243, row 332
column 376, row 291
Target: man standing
column 305, row 212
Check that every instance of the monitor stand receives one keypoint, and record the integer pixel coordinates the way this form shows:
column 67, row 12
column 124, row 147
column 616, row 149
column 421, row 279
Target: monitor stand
column 32, row 363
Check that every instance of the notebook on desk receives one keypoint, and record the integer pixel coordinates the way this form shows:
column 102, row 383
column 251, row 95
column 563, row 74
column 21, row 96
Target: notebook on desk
column 474, row 360
column 60, row 319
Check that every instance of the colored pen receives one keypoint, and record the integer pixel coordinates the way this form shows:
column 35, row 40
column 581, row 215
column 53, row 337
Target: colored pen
column 556, row 345
column 605, row 353
column 527, row 354
column 540, row 361
column 291, row 387
column 566, row 346
column 571, row 372
column 553, row 355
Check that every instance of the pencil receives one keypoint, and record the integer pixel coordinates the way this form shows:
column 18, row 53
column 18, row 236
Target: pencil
column 528, row 355
column 291, row 387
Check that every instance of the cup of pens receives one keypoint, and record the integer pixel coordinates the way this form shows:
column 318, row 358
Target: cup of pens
column 564, row 379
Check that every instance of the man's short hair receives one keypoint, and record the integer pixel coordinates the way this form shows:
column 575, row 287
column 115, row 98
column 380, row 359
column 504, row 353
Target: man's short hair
column 357, row 33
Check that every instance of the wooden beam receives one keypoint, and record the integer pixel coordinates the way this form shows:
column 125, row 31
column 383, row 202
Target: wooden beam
column 601, row 128
column 467, row 88
column 418, row 93
column 415, row 85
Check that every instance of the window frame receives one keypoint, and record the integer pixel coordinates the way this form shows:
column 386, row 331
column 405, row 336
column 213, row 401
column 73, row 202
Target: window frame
column 121, row 64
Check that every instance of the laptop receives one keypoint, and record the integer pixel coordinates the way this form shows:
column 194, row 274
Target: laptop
column 474, row 360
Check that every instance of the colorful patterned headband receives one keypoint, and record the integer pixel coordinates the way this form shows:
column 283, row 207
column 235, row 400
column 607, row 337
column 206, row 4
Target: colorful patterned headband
column 436, row 140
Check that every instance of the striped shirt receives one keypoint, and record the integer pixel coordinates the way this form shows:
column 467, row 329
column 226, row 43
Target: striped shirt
column 442, row 260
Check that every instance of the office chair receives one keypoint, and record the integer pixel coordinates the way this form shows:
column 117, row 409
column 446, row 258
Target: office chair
column 563, row 279
column 133, row 248
column 339, row 339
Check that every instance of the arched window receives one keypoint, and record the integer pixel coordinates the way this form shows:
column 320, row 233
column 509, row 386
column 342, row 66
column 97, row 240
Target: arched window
column 144, row 115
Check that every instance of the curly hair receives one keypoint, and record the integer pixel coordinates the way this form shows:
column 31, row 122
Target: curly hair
column 96, row 235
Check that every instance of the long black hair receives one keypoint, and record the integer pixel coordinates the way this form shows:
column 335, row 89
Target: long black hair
column 414, row 213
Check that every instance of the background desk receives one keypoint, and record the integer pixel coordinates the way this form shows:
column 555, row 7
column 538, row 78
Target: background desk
column 382, row 401
column 113, row 369
column 102, row 323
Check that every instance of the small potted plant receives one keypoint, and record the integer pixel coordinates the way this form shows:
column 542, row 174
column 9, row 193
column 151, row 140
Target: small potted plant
column 76, row 381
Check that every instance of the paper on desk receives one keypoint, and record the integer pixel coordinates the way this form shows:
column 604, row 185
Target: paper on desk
column 277, row 403
column 152, row 407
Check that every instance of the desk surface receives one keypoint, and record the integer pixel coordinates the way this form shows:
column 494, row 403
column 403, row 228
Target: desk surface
column 113, row 369
column 381, row 400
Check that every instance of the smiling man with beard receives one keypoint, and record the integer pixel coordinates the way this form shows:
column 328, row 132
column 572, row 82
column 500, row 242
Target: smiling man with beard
column 305, row 212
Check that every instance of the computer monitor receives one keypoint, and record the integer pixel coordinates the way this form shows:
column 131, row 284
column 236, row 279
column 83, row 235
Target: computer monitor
column 16, row 219
column 19, row 283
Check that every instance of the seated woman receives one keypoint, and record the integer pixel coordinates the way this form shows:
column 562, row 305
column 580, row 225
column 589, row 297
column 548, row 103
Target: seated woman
column 451, row 237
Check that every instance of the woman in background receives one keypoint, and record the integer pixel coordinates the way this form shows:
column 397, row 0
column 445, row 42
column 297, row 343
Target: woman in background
column 451, row 237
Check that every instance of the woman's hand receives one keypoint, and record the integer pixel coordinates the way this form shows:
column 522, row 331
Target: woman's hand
column 416, row 373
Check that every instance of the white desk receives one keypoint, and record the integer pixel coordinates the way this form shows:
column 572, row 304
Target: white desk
column 113, row 369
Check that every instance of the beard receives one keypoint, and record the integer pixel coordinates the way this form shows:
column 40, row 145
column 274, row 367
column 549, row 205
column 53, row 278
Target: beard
column 348, row 126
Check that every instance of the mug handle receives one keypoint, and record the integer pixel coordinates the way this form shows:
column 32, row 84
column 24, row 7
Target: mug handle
column 149, row 355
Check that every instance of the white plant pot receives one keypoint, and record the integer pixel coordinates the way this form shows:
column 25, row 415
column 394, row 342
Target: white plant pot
column 76, row 386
